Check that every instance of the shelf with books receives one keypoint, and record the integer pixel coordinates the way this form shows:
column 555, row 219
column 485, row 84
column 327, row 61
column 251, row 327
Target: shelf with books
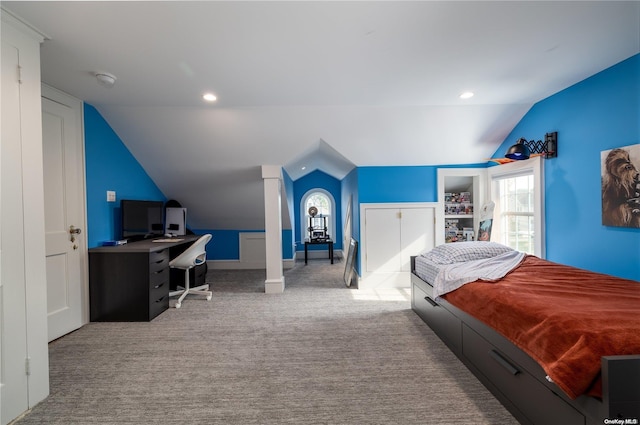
column 460, row 191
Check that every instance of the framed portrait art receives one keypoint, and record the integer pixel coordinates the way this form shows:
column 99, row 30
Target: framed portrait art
column 620, row 172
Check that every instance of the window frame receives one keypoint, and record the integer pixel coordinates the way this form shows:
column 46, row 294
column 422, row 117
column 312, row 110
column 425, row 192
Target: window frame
column 532, row 166
column 331, row 222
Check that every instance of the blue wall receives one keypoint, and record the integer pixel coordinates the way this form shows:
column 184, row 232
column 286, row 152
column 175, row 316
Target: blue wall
column 110, row 166
column 397, row 184
column 314, row 180
column 402, row 184
column 597, row 114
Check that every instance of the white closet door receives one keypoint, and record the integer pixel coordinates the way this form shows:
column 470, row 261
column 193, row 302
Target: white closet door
column 24, row 360
column 417, row 233
column 382, row 227
column 13, row 334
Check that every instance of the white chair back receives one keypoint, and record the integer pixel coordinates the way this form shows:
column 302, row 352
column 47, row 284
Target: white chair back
column 194, row 255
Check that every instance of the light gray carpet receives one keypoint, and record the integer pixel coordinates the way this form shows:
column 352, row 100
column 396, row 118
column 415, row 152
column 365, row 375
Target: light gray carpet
column 320, row 353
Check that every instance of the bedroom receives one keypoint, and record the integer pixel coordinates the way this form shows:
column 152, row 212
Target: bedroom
column 596, row 114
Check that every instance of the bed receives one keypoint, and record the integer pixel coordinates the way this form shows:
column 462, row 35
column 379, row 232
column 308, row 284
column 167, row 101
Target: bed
column 555, row 344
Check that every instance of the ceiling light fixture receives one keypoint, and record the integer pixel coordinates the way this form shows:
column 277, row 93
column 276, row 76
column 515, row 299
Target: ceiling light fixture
column 106, row 79
column 466, row 95
column 209, row 97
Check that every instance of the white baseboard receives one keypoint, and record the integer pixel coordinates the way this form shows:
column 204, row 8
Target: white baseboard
column 385, row 280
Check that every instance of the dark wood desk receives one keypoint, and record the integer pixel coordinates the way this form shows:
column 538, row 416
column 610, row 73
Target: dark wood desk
column 328, row 242
column 130, row 283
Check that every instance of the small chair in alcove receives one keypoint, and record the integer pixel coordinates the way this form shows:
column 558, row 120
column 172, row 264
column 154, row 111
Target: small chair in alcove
column 190, row 258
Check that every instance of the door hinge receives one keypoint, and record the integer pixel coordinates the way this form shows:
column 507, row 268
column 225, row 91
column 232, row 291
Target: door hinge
column 27, row 366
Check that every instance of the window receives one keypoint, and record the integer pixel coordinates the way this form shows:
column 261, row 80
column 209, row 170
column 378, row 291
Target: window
column 516, row 214
column 323, row 201
column 517, row 189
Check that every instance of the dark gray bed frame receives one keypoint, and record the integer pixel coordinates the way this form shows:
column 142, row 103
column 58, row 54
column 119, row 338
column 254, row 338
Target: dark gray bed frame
column 519, row 382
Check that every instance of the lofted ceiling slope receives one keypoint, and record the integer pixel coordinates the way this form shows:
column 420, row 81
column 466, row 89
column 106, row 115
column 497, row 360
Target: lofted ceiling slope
column 325, row 85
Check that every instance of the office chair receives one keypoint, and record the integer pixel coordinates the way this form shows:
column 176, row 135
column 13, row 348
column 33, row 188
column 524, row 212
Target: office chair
column 191, row 257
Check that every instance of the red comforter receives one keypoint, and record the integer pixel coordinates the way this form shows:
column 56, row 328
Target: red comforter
column 563, row 317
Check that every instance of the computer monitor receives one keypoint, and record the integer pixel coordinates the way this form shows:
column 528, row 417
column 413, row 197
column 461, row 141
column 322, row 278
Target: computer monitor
column 141, row 219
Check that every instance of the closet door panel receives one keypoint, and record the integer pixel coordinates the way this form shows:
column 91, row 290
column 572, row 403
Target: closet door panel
column 13, row 326
column 382, row 228
column 417, row 233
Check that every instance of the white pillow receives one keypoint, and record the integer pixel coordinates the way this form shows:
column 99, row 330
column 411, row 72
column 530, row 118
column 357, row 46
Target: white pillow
column 456, row 252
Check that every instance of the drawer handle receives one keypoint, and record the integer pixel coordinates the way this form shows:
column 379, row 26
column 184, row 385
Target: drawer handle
column 160, row 271
column 503, row 362
column 159, row 286
column 432, row 302
column 159, row 300
column 160, row 261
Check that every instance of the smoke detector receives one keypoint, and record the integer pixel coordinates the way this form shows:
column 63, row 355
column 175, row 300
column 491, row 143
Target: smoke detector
column 106, row 79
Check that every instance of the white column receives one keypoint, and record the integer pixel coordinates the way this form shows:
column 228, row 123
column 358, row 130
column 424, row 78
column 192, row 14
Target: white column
column 272, row 176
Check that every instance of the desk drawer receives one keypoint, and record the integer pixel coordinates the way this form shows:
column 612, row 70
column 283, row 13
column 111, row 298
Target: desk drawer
column 159, row 292
column 443, row 322
column 538, row 403
column 159, row 255
column 158, row 289
column 160, row 304
column 158, row 260
column 158, row 276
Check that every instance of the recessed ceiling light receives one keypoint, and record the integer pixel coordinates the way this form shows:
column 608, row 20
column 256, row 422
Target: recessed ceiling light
column 466, row 95
column 209, row 97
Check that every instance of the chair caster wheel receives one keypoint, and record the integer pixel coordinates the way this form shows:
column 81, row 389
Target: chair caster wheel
column 178, row 305
column 208, row 297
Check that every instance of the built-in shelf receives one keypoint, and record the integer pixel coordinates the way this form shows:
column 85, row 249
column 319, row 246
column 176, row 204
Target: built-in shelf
column 460, row 195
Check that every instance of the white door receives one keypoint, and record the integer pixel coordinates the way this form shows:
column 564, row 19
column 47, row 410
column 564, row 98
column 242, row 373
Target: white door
column 417, row 233
column 64, row 212
column 382, row 227
column 14, row 390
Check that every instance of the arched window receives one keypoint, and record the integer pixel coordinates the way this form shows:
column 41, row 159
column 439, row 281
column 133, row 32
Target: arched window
column 323, row 201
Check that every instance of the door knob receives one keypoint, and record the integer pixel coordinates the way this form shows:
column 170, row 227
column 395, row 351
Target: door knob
column 73, row 231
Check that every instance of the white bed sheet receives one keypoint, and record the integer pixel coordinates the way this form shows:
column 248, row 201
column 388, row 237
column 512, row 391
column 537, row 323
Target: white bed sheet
column 448, row 277
column 426, row 269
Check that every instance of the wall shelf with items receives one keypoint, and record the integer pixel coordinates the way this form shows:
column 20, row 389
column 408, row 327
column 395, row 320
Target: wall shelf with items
column 460, row 195
column 458, row 212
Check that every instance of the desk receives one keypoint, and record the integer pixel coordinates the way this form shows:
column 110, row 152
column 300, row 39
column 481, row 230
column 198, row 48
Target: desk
column 328, row 242
column 130, row 283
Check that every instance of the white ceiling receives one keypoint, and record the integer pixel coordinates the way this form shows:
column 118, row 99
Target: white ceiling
column 326, row 85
